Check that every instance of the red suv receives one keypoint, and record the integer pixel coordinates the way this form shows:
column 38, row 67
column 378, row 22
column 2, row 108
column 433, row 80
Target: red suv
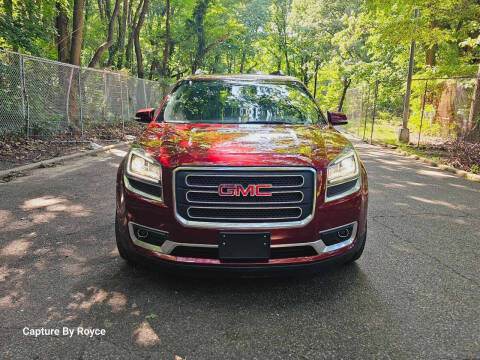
column 241, row 173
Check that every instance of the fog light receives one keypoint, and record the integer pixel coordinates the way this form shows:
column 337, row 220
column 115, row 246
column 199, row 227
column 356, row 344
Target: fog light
column 344, row 233
column 142, row 234
column 337, row 235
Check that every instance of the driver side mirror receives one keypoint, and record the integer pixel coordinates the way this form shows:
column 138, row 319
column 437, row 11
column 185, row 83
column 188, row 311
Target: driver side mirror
column 336, row 118
column 145, row 115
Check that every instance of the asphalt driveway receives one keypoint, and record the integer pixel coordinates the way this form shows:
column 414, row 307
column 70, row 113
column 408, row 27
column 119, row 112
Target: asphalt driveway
column 415, row 293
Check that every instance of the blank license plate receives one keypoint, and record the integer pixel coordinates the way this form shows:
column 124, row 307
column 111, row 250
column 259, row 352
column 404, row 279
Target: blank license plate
column 246, row 246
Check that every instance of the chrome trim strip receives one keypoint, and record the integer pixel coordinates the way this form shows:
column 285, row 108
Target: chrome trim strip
column 167, row 246
column 243, row 208
column 244, row 203
column 263, row 225
column 141, row 193
column 342, row 244
column 247, row 175
column 355, row 188
column 319, row 246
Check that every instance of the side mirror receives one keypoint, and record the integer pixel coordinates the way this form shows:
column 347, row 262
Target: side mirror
column 145, row 115
column 336, row 118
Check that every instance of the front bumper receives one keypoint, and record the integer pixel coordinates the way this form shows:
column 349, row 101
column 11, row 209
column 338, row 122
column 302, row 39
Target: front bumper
column 159, row 216
column 211, row 267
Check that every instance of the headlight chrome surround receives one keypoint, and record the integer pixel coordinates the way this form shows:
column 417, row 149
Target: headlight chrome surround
column 345, row 167
column 337, row 176
column 150, row 175
column 150, row 170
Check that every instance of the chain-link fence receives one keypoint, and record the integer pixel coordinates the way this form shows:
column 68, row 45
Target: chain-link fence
column 44, row 98
column 439, row 110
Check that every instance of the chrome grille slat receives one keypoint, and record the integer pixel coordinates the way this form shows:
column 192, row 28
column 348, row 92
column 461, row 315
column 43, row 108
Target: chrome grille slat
column 244, row 218
column 265, row 202
column 244, row 175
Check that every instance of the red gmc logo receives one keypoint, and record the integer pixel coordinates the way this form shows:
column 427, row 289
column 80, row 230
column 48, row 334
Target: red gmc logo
column 239, row 190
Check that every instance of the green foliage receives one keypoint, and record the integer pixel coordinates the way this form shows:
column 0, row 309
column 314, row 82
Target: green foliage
column 331, row 43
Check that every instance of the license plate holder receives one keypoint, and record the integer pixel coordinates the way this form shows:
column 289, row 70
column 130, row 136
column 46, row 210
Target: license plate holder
column 244, row 246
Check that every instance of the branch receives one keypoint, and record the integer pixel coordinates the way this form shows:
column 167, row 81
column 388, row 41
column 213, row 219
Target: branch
column 111, row 28
column 213, row 44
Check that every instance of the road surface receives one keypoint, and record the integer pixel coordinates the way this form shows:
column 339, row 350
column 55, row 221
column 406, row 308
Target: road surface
column 415, row 293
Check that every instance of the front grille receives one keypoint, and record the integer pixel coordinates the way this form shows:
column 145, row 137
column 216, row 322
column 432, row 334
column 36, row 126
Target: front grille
column 197, row 195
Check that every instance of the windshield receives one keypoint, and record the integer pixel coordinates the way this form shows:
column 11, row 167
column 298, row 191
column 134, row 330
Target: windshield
column 240, row 102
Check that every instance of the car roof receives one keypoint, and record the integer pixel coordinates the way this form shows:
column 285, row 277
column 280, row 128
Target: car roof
column 242, row 77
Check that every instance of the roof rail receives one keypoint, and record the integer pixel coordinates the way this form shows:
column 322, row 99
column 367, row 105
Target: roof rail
column 200, row 72
column 278, row 72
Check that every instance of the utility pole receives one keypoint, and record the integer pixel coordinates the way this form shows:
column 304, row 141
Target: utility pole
column 404, row 133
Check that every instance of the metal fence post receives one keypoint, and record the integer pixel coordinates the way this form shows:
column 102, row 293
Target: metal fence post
column 24, row 95
column 80, row 97
column 121, row 103
column 144, row 93
column 361, row 113
column 104, row 96
column 366, row 112
column 423, row 111
column 374, row 110
column 128, row 103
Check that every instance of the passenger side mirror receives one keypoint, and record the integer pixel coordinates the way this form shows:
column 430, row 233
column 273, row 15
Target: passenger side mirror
column 336, row 118
column 145, row 115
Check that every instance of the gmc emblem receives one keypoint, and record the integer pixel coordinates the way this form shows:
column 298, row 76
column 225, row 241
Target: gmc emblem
column 239, row 190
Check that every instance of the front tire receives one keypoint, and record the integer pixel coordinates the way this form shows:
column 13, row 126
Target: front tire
column 120, row 240
column 359, row 252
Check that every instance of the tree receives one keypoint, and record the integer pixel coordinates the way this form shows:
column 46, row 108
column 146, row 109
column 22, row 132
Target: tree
column 110, row 40
column 63, row 34
column 77, row 32
column 136, row 38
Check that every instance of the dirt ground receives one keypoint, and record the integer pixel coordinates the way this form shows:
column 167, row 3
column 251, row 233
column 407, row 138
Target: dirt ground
column 17, row 151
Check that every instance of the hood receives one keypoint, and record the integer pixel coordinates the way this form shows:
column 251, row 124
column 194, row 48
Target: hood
column 242, row 145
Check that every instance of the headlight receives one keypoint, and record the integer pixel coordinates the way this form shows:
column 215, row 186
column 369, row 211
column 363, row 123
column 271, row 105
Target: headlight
column 343, row 168
column 141, row 165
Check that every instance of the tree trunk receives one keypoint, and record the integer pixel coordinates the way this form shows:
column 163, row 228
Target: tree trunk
column 166, row 49
column 431, row 55
column 346, row 85
column 132, row 25
column 100, row 10
column 8, row 8
column 202, row 54
column 108, row 9
column 315, row 80
column 76, row 45
column 107, row 44
column 242, row 62
column 198, row 17
column 473, row 124
column 285, row 50
column 122, row 29
column 154, row 68
column 63, row 41
column 136, row 39
column 112, row 50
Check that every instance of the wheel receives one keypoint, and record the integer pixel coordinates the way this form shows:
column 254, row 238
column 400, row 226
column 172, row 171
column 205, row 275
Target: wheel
column 120, row 240
column 359, row 252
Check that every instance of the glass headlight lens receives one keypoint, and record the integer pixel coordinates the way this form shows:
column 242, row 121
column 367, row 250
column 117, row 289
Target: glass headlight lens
column 141, row 166
column 343, row 168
